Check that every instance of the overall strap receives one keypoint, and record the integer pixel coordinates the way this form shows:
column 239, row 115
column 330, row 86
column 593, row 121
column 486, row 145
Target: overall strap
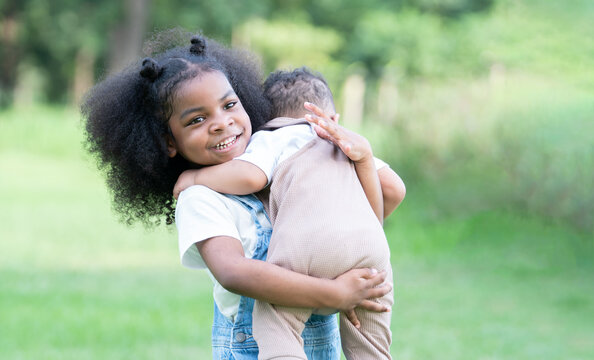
column 321, row 335
column 243, row 320
column 252, row 204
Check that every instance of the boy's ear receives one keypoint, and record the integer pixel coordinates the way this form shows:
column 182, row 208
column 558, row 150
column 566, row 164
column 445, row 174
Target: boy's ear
column 171, row 148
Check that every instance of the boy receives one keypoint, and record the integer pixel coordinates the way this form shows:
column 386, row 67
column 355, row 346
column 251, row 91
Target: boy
column 319, row 207
column 287, row 91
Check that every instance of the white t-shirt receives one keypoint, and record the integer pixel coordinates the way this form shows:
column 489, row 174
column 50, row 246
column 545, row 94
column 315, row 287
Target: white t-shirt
column 201, row 214
column 267, row 149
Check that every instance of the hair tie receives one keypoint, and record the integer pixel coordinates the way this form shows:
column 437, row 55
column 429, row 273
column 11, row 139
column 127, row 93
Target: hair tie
column 150, row 69
column 198, row 45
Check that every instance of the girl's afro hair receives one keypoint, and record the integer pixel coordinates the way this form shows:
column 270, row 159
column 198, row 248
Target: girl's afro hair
column 126, row 119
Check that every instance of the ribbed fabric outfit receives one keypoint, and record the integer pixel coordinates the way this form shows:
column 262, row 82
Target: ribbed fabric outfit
column 323, row 226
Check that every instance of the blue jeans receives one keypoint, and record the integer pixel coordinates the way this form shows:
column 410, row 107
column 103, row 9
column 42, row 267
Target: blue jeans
column 234, row 340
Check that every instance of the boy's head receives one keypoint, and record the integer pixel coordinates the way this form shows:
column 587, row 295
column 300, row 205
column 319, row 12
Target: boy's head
column 288, row 90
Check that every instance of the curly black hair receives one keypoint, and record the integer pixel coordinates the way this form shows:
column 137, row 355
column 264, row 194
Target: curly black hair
column 126, row 121
column 288, row 90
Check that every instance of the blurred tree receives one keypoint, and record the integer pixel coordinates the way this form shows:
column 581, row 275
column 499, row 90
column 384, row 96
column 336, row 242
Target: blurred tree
column 10, row 48
column 407, row 40
column 67, row 39
column 125, row 40
column 217, row 19
column 295, row 43
column 451, row 8
column 56, row 33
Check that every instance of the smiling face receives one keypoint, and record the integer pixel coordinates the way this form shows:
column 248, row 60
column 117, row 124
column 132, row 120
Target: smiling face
column 208, row 122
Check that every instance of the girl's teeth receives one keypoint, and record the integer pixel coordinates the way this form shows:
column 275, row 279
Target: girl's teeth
column 225, row 144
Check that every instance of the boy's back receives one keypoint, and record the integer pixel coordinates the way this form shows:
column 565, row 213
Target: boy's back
column 317, row 201
column 323, row 226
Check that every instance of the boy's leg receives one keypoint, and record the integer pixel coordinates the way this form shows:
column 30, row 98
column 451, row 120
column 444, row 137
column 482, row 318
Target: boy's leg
column 277, row 330
column 372, row 340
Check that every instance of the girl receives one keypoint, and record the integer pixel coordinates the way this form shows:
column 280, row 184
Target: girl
column 146, row 125
column 309, row 179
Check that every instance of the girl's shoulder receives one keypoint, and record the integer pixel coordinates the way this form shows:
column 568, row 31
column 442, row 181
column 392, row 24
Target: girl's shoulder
column 205, row 203
column 199, row 193
column 202, row 201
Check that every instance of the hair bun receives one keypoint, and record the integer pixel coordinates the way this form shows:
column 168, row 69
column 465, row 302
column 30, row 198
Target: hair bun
column 150, row 69
column 198, row 45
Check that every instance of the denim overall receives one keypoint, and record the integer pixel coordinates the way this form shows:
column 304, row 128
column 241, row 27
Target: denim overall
column 235, row 340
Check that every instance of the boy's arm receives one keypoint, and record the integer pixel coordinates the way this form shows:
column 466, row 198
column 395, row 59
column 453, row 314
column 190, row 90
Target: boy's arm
column 368, row 176
column 356, row 148
column 393, row 189
column 236, row 177
column 270, row 283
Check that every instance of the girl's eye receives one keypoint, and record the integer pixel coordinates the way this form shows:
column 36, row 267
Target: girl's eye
column 196, row 120
column 229, row 105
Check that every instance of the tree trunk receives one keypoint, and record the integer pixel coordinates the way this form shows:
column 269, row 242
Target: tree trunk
column 9, row 57
column 126, row 39
column 353, row 98
column 83, row 74
column 387, row 99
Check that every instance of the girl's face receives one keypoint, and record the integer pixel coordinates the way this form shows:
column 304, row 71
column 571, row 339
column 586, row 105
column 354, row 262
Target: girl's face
column 208, row 122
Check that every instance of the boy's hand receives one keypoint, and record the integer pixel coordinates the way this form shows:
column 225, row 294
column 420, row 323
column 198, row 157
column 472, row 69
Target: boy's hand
column 354, row 146
column 184, row 181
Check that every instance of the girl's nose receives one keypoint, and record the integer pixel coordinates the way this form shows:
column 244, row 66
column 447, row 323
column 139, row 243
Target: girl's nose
column 220, row 123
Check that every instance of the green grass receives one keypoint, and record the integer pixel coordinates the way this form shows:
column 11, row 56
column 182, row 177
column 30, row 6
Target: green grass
column 75, row 284
column 491, row 286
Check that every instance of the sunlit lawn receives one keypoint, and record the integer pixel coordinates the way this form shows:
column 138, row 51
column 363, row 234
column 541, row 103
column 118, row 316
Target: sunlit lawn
column 75, row 284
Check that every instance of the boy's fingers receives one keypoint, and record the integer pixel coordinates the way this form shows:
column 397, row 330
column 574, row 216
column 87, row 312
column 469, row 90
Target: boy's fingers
column 323, row 124
column 316, row 119
column 321, row 132
column 331, row 127
column 315, row 109
column 331, row 131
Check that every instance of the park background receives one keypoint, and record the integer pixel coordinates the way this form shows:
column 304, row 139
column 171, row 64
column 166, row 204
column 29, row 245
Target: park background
column 484, row 107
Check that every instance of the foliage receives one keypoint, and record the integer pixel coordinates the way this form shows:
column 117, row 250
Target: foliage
column 521, row 143
column 292, row 45
column 494, row 94
column 50, row 35
column 407, row 41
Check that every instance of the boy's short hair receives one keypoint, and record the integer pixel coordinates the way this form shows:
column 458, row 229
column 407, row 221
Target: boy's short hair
column 288, row 90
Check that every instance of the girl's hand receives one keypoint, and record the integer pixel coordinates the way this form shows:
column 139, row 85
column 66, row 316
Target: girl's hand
column 359, row 288
column 354, row 146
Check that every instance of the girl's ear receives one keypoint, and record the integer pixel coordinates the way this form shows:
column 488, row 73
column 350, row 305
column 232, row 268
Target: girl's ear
column 171, row 148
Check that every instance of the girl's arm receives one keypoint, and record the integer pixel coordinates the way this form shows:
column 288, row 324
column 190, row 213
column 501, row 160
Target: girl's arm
column 356, row 148
column 267, row 282
column 236, row 177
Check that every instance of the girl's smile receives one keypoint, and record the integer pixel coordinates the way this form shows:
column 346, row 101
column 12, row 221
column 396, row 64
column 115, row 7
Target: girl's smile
column 208, row 122
column 227, row 143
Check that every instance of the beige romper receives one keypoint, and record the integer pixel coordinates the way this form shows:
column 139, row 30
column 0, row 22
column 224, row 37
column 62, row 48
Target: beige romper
column 323, row 226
